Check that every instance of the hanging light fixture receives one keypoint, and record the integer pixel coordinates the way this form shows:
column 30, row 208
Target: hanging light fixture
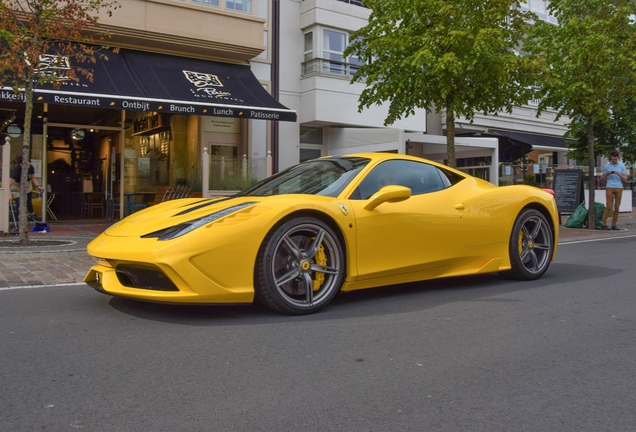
column 14, row 131
column 77, row 134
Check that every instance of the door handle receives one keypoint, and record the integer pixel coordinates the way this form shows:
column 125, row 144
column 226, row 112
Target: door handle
column 460, row 207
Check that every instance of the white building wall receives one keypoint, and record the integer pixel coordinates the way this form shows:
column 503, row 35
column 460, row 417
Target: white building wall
column 335, row 101
column 291, row 57
column 331, row 101
column 344, row 141
column 324, row 101
column 522, row 119
column 258, row 128
column 332, row 13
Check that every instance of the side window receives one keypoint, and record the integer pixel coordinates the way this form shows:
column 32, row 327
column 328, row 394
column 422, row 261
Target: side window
column 420, row 177
column 449, row 178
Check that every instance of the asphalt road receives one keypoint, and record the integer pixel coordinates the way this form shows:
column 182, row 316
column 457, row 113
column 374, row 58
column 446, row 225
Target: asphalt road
column 469, row 354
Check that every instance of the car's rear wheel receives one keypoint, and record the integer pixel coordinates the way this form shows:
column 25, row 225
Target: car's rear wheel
column 531, row 246
column 300, row 266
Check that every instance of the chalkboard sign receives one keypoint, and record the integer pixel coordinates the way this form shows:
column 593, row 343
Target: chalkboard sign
column 568, row 187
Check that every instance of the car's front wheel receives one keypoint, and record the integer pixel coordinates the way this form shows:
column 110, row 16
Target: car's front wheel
column 300, row 266
column 531, row 246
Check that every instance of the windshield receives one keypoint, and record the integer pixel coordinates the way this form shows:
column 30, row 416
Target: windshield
column 327, row 177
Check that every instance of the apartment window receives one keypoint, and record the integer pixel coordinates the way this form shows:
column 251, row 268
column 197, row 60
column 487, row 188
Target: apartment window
column 310, row 135
column 309, row 153
column 353, row 2
column 206, row 2
column 540, row 8
column 236, row 5
column 324, row 53
column 354, row 63
column 333, row 46
column 310, row 142
column 239, row 5
column 309, row 46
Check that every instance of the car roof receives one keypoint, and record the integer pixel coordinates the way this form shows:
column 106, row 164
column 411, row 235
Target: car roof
column 381, row 156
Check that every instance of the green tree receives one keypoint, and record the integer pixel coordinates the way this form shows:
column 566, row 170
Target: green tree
column 616, row 133
column 37, row 37
column 589, row 60
column 453, row 55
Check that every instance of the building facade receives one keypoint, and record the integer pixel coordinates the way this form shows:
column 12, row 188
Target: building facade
column 315, row 81
column 293, row 50
column 189, row 75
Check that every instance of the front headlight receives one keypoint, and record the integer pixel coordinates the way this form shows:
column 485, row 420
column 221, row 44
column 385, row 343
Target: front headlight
column 186, row 227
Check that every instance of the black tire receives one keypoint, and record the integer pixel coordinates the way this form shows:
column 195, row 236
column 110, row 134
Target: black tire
column 531, row 246
column 301, row 252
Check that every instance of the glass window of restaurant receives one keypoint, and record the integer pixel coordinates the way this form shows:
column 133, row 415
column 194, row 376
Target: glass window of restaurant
column 165, row 150
column 84, row 156
column 225, row 139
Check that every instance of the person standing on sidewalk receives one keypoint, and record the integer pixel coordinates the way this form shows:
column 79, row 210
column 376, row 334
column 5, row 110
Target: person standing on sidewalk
column 14, row 186
column 614, row 174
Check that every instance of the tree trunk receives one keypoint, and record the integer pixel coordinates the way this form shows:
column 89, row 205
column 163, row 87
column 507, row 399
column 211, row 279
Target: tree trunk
column 591, row 181
column 25, row 182
column 450, row 138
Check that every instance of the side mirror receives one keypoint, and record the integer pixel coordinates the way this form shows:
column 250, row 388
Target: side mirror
column 389, row 193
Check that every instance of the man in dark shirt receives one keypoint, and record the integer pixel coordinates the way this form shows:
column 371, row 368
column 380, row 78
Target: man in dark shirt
column 14, row 186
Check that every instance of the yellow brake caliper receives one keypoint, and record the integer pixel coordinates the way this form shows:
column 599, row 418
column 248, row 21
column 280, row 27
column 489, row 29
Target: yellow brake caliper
column 321, row 259
column 521, row 236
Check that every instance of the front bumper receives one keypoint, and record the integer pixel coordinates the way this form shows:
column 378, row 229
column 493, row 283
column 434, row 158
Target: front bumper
column 191, row 270
column 109, row 280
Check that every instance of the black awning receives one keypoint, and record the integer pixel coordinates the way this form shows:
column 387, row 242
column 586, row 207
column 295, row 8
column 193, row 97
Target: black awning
column 538, row 142
column 144, row 81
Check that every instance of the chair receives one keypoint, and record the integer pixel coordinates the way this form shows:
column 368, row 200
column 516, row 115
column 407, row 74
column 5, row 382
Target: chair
column 175, row 193
column 95, row 202
column 14, row 210
column 84, row 203
column 131, row 205
column 112, row 207
column 161, row 193
column 50, row 198
column 180, row 192
column 166, row 194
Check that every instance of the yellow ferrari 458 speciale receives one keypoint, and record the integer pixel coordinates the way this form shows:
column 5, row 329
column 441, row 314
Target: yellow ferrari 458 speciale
column 338, row 223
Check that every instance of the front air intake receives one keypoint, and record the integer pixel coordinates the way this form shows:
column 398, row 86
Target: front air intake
column 144, row 277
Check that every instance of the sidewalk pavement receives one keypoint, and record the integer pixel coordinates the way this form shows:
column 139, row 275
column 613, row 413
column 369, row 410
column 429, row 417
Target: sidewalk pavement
column 59, row 256
column 56, row 257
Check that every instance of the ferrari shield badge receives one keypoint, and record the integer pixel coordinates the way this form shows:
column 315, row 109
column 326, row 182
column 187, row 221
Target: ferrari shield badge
column 344, row 209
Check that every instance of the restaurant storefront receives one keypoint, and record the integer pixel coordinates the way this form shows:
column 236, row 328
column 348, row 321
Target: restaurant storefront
column 141, row 124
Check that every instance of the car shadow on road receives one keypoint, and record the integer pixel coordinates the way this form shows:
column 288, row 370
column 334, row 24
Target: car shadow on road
column 437, row 292
column 394, row 299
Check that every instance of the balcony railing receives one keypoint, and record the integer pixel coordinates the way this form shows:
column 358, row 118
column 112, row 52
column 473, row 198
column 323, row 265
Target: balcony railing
column 328, row 67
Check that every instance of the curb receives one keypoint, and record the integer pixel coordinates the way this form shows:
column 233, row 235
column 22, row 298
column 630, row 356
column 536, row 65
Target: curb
column 9, row 288
column 74, row 244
